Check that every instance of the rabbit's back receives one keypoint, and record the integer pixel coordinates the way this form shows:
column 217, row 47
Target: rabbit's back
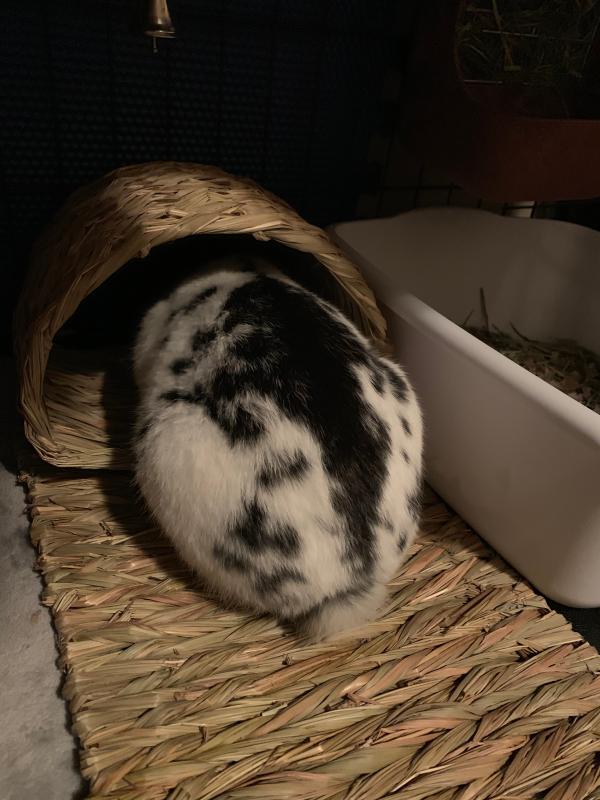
column 279, row 453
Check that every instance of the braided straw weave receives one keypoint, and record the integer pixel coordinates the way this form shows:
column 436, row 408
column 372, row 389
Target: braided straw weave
column 467, row 688
column 101, row 228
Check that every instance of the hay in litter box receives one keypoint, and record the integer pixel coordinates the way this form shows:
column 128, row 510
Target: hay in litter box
column 467, row 688
column 562, row 363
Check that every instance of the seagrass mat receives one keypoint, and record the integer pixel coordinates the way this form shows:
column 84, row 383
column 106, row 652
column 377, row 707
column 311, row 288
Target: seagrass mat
column 467, row 688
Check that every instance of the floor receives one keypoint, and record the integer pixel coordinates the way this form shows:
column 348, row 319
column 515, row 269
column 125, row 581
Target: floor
column 38, row 757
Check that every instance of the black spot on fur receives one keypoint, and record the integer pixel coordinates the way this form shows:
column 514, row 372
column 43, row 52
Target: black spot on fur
column 282, row 468
column 229, row 560
column 343, row 596
column 202, row 339
column 285, row 539
column 376, row 376
column 236, row 422
column 406, row 426
column 176, row 396
column 269, row 583
column 264, row 583
column 193, row 304
column 239, row 424
column 414, row 504
column 402, row 539
column 359, row 548
column 397, row 384
column 181, row 365
column 244, row 427
column 386, row 523
column 257, row 535
column 405, row 456
column 250, row 529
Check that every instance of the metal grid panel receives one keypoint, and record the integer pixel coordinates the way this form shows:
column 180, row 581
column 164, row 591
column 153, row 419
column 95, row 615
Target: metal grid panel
column 282, row 91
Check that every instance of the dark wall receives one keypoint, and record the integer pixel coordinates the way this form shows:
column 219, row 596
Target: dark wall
column 288, row 92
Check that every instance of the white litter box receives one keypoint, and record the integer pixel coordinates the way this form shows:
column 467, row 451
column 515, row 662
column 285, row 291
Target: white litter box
column 517, row 458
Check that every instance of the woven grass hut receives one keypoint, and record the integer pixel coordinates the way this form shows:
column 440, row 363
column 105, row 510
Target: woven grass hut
column 103, row 226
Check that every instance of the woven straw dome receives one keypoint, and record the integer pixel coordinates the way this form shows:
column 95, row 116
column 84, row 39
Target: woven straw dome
column 102, row 227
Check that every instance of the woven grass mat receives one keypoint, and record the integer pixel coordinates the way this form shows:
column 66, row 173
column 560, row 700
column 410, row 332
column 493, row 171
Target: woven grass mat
column 467, row 688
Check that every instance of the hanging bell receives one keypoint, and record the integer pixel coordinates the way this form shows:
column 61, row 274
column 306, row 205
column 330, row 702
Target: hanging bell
column 158, row 21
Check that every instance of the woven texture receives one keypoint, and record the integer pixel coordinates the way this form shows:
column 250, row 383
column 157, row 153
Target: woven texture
column 100, row 229
column 467, row 688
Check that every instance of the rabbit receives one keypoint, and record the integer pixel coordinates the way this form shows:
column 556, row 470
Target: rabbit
column 277, row 450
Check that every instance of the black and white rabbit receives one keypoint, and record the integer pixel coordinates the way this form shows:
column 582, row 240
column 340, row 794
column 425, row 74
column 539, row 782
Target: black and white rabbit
column 276, row 449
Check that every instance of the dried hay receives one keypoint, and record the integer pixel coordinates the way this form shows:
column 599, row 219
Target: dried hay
column 467, row 688
column 562, row 363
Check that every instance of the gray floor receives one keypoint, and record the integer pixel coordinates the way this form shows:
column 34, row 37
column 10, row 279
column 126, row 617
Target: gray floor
column 37, row 753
